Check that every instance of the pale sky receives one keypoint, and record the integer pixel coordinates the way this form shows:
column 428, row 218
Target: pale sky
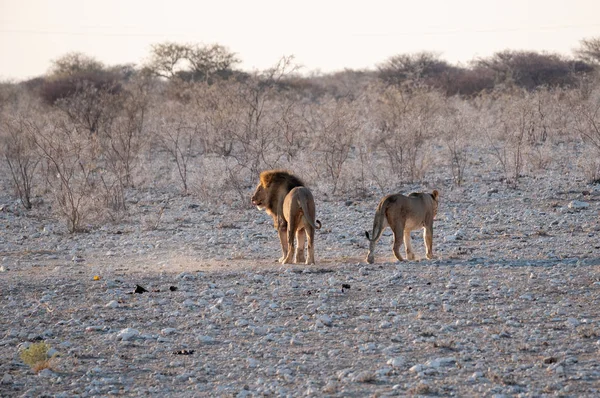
column 325, row 35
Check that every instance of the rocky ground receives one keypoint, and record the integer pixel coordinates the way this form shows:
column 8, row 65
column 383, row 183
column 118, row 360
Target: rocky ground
column 508, row 308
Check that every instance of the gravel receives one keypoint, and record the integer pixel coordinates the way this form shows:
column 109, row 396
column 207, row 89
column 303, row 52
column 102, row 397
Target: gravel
column 509, row 307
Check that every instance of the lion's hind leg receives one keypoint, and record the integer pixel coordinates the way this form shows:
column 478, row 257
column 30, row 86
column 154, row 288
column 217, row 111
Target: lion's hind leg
column 301, row 238
column 289, row 258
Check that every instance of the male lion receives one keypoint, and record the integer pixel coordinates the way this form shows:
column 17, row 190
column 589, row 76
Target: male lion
column 404, row 214
column 285, row 198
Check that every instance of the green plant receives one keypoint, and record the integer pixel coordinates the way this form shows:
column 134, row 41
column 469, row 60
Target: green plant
column 36, row 356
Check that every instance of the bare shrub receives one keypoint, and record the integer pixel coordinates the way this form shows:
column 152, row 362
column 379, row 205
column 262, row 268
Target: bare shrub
column 512, row 124
column 586, row 111
column 456, row 132
column 71, row 169
column 259, row 141
column 123, row 139
column 405, row 120
column 19, row 151
column 529, row 70
column 90, row 108
column 179, row 136
column 589, row 50
column 335, row 125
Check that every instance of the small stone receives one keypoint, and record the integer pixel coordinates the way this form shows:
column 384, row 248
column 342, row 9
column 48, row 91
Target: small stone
column 206, row 339
column 127, row 334
column 112, row 304
column 325, row 320
column 578, row 205
column 364, row 377
column 417, row 368
column 440, row 362
column 6, row 379
column 168, row 331
column 396, row 362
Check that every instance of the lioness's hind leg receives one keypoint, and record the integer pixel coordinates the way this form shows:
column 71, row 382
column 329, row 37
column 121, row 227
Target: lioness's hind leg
column 310, row 234
column 397, row 244
column 410, row 255
column 428, row 238
column 301, row 238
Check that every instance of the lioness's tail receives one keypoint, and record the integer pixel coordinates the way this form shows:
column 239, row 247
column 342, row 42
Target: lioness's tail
column 378, row 221
column 305, row 215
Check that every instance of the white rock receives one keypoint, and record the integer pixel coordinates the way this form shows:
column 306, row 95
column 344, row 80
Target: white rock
column 417, row 368
column 385, row 325
column 396, row 362
column 128, row 334
column 474, row 282
column 325, row 320
column 6, row 379
column 168, row 331
column 439, row 362
column 112, row 304
column 475, row 376
column 297, row 339
column 189, row 303
column 206, row 339
column 364, row 377
column 578, row 205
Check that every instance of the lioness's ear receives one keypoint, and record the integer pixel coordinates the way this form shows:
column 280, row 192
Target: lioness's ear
column 435, row 194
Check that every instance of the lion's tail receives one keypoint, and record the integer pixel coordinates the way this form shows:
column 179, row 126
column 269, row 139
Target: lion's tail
column 378, row 222
column 305, row 215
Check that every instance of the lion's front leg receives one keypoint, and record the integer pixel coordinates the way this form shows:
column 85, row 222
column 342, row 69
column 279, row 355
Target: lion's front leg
column 282, row 232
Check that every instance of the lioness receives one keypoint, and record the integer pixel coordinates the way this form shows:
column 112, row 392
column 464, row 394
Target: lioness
column 285, row 198
column 404, row 214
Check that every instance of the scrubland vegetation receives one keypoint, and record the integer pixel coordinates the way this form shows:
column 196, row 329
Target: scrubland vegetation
column 85, row 134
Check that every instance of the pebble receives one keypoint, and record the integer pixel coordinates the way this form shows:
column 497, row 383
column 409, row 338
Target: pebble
column 127, row 334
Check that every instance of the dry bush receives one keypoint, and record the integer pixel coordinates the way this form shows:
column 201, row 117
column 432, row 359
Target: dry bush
column 36, row 356
column 530, row 70
column 586, row 111
column 179, row 135
column 457, row 127
column 70, row 168
column 406, row 120
column 20, row 154
column 507, row 131
column 335, row 126
column 123, row 139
